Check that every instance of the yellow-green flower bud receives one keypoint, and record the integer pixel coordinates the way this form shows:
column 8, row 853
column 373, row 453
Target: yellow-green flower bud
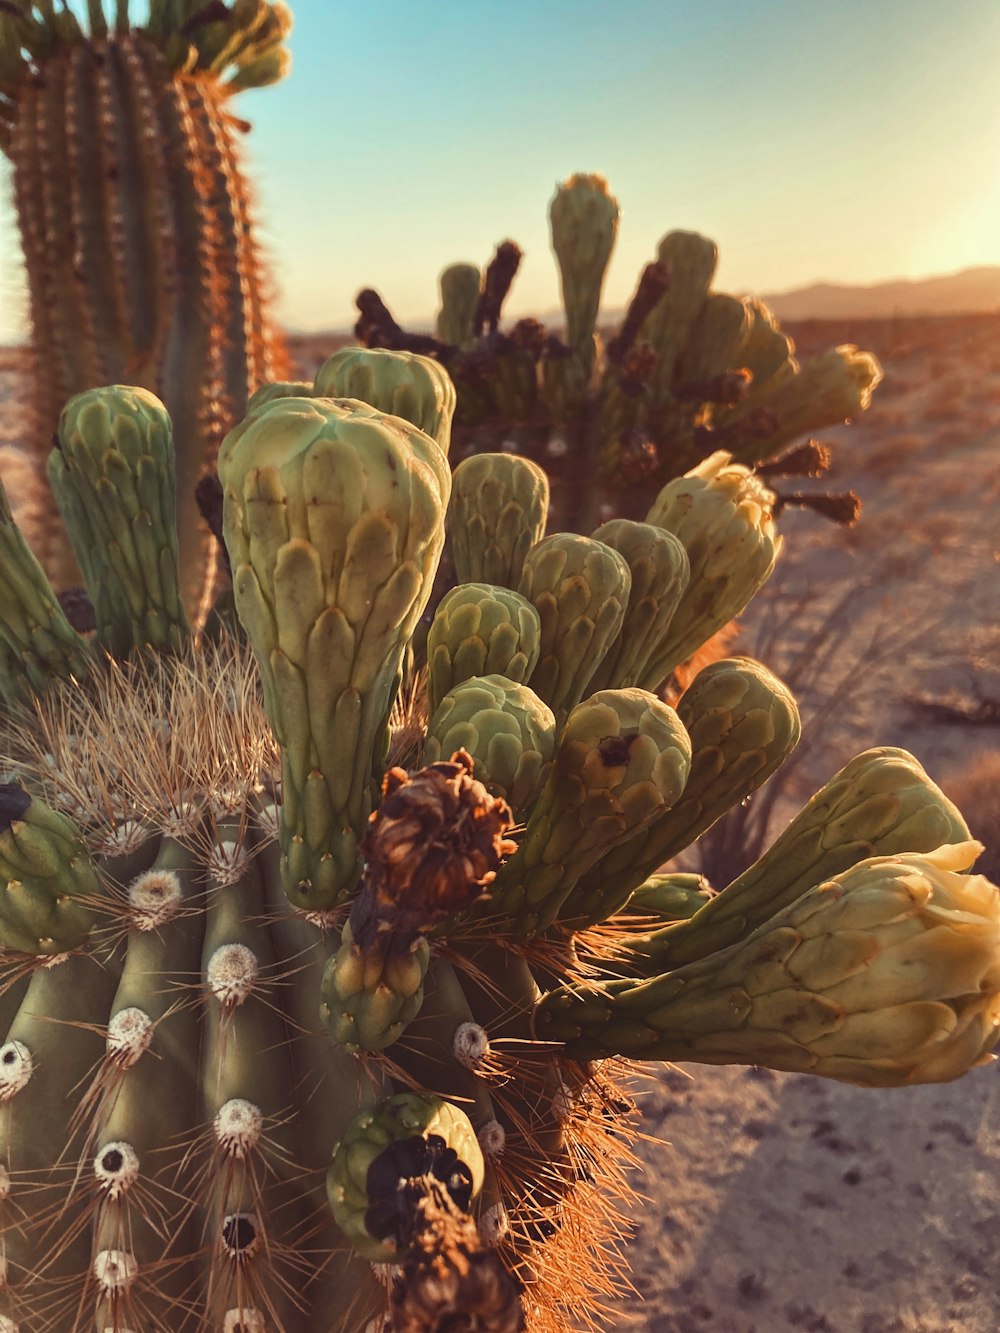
column 580, row 589
column 480, row 629
column 48, row 882
column 499, row 504
column 827, row 390
column 401, row 384
column 505, row 727
column 723, row 516
column 885, row 975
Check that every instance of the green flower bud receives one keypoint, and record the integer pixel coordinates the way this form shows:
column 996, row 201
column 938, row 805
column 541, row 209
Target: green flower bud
column 369, row 997
column 673, row 897
column 498, row 508
column 480, row 629
column 48, row 882
column 660, row 573
column 460, row 288
column 402, row 1142
column 37, row 642
column 401, row 384
column 722, row 514
column 716, row 339
column 112, row 474
column 507, row 730
column 580, row 589
column 267, row 393
column 690, row 260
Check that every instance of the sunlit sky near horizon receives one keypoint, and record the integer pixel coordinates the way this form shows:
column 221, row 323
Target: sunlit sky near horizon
column 851, row 142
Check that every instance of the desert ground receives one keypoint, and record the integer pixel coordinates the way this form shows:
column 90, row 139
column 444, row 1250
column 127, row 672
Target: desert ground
column 779, row 1202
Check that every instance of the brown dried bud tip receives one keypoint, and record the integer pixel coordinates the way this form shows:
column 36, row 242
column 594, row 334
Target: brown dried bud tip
column 759, row 424
column 208, row 498
column 377, row 328
column 653, row 283
column 637, row 366
column 638, row 460
column 496, row 284
column 450, row 1280
column 432, row 846
column 811, row 459
column 844, row 509
column 729, row 388
column 78, row 609
column 528, row 335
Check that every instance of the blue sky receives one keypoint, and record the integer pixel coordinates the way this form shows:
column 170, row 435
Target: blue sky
column 848, row 141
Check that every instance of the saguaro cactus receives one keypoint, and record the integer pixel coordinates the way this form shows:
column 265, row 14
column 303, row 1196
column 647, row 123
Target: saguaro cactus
column 303, row 1031
column 135, row 218
column 687, row 372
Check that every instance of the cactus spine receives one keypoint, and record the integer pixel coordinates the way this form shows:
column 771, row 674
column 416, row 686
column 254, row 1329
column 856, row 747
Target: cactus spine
column 301, row 1027
column 135, row 220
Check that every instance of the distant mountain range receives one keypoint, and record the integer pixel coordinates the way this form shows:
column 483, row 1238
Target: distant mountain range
column 971, row 291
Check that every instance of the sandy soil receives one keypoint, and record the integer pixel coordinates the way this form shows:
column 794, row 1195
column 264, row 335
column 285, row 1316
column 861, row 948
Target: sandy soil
column 778, row 1202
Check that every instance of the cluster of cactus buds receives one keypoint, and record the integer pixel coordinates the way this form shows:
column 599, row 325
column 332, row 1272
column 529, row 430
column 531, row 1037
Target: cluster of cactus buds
column 135, row 219
column 688, row 371
column 329, row 938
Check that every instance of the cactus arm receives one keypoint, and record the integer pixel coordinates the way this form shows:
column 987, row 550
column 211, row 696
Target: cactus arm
column 329, row 594
column 36, row 634
column 136, row 227
column 880, row 803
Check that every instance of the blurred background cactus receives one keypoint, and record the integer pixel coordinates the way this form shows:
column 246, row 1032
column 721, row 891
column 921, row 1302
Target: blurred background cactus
column 611, row 413
column 323, row 970
column 136, row 219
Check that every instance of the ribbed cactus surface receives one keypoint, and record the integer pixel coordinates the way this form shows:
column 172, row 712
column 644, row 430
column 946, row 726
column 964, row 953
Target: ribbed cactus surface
column 135, row 219
column 319, row 973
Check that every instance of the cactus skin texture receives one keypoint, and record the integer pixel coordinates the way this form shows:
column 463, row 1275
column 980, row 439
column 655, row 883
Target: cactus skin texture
column 135, row 221
column 687, row 372
column 303, row 1031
